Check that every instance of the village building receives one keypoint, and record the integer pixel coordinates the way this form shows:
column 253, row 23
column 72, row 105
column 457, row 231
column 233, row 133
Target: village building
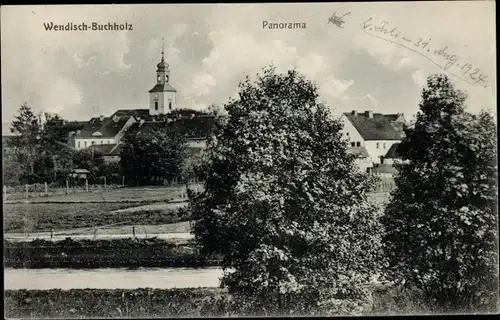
column 376, row 133
column 111, row 152
column 372, row 137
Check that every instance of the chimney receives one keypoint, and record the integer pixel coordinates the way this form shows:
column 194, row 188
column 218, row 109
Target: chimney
column 115, row 118
column 369, row 114
column 141, row 122
column 353, row 112
column 101, row 118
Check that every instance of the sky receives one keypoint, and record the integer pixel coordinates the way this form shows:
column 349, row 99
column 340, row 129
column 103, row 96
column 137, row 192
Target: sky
column 210, row 48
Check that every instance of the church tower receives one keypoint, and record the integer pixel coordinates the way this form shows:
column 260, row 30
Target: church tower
column 162, row 98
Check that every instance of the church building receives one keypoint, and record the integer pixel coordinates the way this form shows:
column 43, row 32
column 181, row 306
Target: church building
column 104, row 134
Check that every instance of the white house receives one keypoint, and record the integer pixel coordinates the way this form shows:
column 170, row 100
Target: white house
column 375, row 132
column 102, row 131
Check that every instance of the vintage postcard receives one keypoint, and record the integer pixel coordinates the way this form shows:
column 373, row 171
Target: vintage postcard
column 281, row 159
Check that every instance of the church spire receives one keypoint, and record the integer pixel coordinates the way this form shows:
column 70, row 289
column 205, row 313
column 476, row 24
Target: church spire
column 162, row 66
column 162, row 49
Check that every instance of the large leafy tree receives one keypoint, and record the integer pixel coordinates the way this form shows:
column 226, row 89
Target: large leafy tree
column 26, row 142
column 284, row 204
column 442, row 221
column 56, row 149
column 153, row 156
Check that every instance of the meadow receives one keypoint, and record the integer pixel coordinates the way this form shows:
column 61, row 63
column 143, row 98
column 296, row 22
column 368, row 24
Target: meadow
column 38, row 217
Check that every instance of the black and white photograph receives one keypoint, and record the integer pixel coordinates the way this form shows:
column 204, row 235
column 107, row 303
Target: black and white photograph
column 253, row 159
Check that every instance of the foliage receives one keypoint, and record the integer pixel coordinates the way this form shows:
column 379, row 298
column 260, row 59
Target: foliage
column 11, row 168
column 27, row 128
column 126, row 303
column 284, row 203
column 90, row 160
column 442, row 220
column 41, row 147
column 186, row 113
column 112, row 171
column 153, row 156
column 119, row 303
column 115, row 253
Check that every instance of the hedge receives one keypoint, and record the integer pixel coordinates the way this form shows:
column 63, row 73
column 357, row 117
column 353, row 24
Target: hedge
column 115, row 253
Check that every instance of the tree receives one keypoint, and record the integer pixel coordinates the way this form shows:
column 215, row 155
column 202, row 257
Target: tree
column 54, row 138
column 153, row 156
column 90, row 160
column 11, row 169
column 26, row 143
column 284, row 204
column 442, row 220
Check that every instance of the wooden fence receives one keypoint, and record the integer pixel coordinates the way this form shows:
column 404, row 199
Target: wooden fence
column 38, row 190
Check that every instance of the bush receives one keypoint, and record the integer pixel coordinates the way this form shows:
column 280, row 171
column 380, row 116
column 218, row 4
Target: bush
column 115, row 253
column 93, row 303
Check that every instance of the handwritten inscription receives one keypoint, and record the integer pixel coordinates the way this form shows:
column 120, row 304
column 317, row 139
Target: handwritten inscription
column 336, row 20
column 426, row 48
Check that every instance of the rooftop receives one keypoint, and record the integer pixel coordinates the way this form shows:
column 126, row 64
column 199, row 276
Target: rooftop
column 136, row 113
column 374, row 126
column 107, row 127
column 392, row 152
column 198, row 127
column 165, row 87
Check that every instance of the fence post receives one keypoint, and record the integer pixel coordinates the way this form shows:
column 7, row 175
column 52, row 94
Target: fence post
column 27, row 195
column 123, row 181
column 67, row 186
column 87, row 184
column 104, row 182
column 133, row 231
column 4, row 193
column 46, row 189
column 51, row 233
column 95, row 232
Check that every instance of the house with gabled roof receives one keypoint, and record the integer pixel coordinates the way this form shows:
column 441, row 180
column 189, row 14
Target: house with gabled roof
column 102, row 130
column 375, row 132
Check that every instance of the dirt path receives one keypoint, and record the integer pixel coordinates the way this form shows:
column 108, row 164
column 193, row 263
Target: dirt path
column 156, row 206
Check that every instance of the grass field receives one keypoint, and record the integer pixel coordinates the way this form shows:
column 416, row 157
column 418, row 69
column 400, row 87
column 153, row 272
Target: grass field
column 143, row 194
column 26, row 218
column 42, row 217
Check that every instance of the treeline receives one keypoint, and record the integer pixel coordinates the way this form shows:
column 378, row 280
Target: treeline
column 42, row 151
